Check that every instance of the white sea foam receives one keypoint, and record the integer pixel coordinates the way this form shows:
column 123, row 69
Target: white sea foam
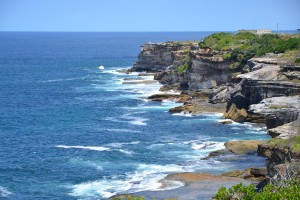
column 208, row 146
column 120, row 144
column 140, row 121
column 4, row 192
column 87, row 163
column 213, row 115
column 93, row 148
column 225, row 120
column 101, row 67
column 183, row 113
column 127, row 152
column 121, row 130
column 60, row 80
column 146, row 177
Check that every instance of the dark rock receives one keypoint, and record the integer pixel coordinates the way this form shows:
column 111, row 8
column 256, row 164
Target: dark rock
column 264, row 150
column 217, row 153
column 258, row 172
column 161, row 97
column 225, row 121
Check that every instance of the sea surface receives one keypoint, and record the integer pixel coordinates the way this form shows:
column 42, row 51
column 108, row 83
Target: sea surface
column 69, row 128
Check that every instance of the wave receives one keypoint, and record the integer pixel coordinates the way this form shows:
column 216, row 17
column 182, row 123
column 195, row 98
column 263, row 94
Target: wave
column 140, row 121
column 184, row 114
column 101, row 67
column 4, row 192
column 127, row 152
column 129, row 119
column 212, row 115
column 208, row 146
column 93, row 148
column 120, row 144
column 60, row 80
column 146, row 177
column 87, row 163
column 120, row 130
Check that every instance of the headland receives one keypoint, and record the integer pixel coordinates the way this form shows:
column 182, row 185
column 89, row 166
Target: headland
column 249, row 78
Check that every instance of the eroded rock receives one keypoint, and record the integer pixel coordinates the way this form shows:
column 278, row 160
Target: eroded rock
column 243, row 146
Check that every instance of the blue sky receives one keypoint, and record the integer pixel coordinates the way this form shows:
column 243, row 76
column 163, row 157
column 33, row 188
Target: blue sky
column 148, row 15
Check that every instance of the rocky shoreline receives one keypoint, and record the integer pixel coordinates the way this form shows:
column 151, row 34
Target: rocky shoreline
column 266, row 90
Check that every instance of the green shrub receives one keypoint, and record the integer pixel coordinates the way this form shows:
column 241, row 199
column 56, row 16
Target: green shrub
column 245, row 45
column 239, row 191
column 185, row 66
column 297, row 60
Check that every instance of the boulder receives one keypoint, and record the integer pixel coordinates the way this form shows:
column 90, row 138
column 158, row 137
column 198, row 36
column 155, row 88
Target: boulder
column 237, row 115
column 164, row 96
column 243, row 146
column 225, row 121
column 258, row 171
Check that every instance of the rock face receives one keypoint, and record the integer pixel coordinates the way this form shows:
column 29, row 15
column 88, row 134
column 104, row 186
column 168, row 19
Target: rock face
column 278, row 110
column 286, row 130
column 282, row 162
column 206, row 68
column 185, row 66
column 243, row 146
column 160, row 56
column 238, row 115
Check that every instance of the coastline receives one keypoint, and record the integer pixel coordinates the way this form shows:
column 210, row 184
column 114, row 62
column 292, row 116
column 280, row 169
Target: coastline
column 252, row 90
column 195, row 185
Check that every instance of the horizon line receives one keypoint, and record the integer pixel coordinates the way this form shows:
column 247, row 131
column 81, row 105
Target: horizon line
column 137, row 31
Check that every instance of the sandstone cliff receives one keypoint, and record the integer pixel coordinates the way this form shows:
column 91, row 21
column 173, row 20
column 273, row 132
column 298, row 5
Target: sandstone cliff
column 224, row 70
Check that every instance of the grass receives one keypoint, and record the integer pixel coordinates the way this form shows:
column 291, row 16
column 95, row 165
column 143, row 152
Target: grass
column 292, row 142
column 185, row 66
column 239, row 48
column 239, row 191
column 290, row 56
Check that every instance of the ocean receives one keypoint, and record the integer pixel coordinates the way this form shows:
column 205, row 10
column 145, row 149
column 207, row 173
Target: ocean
column 69, row 128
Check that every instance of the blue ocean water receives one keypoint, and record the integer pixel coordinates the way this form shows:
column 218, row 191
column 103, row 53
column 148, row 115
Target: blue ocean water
column 70, row 129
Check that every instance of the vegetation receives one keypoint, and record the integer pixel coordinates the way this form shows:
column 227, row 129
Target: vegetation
column 186, row 64
column 289, row 56
column 297, row 60
column 239, row 191
column 292, row 142
column 242, row 46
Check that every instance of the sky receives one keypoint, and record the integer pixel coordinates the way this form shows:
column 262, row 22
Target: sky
column 148, row 15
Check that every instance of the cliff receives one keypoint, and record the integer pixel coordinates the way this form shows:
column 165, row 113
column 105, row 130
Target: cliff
column 249, row 78
column 228, row 72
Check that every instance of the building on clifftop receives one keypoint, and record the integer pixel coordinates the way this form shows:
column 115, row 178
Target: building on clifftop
column 256, row 31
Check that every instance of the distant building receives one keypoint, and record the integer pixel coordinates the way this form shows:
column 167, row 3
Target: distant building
column 257, row 31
